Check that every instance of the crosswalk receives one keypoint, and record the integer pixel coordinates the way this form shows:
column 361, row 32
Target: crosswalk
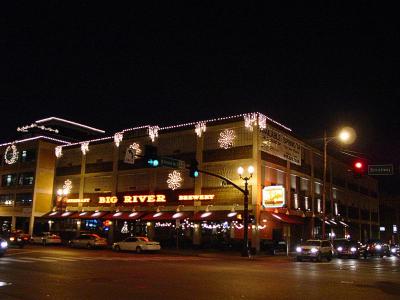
column 66, row 259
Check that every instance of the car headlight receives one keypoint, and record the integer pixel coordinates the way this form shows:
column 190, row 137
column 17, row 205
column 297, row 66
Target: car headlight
column 298, row 249
column 12, row 239
column 3, row 244
column 339, row 249
column 314, row 250
column 353, row 249
column 378, row 247
column 393, row 250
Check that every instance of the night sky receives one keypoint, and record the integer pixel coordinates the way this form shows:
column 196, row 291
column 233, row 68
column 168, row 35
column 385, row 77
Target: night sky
column 116, row 67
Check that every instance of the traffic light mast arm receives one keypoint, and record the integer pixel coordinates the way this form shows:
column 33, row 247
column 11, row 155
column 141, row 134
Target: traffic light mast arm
column 224, row 179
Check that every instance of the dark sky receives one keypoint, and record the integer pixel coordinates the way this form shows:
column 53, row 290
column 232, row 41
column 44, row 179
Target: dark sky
column 115, row 67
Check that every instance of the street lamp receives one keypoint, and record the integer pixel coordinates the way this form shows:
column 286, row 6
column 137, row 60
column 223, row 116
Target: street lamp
column 250, row 170
column 346, row 135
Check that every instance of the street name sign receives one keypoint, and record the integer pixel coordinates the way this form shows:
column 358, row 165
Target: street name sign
column 380, row 170
column 172, row 163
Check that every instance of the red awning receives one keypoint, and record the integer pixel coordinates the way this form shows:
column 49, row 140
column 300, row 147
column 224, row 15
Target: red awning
column 158, row 216
column 58, row 214
column 217, row 216
column 124, row 215
column 89, row 215
column 284, row 218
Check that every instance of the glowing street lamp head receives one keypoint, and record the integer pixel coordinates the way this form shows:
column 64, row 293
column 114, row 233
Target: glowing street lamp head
column 347, row 135
column 240, row 170
column 250, row 169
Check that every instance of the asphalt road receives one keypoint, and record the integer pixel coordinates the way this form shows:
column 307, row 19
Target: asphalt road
column 62, row 273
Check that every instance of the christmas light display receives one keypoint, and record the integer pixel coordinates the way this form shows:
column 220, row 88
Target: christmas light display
column 124, row 228
column 34, row 125
column 153, row 132
column 58, row 151
column 136, row 147
column 118, row 138
column 67, row 187
column 200, row 128
column 174, row 180
column 226, row 138
column 85, row 147
column 11, row 155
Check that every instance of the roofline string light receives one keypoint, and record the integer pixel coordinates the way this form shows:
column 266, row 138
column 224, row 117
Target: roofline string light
column 153, row 131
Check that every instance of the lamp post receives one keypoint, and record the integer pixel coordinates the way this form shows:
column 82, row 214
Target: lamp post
column 347, row 136
column 250, row 170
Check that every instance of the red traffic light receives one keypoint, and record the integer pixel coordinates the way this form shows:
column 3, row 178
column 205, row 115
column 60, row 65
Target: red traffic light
column 358, row 165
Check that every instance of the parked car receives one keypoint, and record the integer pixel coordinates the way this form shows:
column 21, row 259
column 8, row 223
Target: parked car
column 137, row 244
column 88, row 241
column 3, row 246
column 46, row 238
column 376, row 248
column 348, row 248
column 314, row 250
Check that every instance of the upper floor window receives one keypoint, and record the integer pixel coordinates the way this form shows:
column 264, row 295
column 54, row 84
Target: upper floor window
column 24, row 199
column 8, row 179
column 26, row 178
column 28, row 155
column 6, row 200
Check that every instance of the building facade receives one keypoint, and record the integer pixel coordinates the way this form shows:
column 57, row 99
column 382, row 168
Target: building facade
column 106, row 185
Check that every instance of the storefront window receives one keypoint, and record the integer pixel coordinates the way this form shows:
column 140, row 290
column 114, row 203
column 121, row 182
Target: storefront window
column 24, row 199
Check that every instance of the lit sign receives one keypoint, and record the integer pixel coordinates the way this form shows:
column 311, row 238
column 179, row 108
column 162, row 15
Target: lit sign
column 108, row 200
column 394, row 228
column 273, row 196
column 382, row 228
column 144, row 198
column 85, row 200
column 195, row 197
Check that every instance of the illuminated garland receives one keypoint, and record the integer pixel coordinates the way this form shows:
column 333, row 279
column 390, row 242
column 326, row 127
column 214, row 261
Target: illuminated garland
column 85, row 147
column 11, row 158
column 200, row 128
column 153, row 132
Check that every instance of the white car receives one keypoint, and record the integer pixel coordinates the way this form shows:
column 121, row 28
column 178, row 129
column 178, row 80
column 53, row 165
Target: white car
column 314, row 250
column 137, row 244
column 46, row 238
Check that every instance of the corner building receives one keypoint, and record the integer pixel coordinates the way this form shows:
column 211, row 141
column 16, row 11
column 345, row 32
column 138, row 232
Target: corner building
column 100, row 186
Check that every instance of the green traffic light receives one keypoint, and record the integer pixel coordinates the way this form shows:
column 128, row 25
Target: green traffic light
column 196, row 173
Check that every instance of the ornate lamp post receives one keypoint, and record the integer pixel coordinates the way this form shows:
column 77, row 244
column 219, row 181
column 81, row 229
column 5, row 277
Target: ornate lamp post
column 250, row 170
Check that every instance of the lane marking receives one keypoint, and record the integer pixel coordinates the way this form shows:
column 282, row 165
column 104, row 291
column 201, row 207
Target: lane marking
column 9, row 259
column 59, row 258
column 38, row 259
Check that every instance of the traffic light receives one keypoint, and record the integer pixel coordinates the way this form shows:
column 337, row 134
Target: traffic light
column 193, row 169
column 358, row 168
column 151, row 157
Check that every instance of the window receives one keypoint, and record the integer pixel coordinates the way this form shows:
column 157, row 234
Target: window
column 28, row 155
column 26, row 179
column 8, row 180
column 6, row 200
column 24, row 199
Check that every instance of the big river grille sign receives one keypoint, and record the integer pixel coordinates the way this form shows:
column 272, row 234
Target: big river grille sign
column 281, row 145
column 273, row 196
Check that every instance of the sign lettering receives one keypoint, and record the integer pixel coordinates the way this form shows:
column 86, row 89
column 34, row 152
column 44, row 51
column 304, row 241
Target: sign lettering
column 108, row 200
column 85, row 200
column 273, row 196
column 195, row 197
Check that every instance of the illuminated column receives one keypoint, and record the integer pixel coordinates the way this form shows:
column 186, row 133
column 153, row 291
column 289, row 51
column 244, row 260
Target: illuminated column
column 13, row 222
column 312, row 196
column 256, row 190
column 150, row 230
column 115, row 170
column 82, row 181
column 288, row 186
column 198, row 185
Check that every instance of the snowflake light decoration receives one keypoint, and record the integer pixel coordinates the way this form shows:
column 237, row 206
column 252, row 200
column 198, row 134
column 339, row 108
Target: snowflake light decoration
column 11, row 155
column 226, row 138
column 67, row 187
column 58, row 151
column 200, row 128
column 118, row 138
column 174, row 180
column 136, row 147
column 153, row 132
column 85, row 147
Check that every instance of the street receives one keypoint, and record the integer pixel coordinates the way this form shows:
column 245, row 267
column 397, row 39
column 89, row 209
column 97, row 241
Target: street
column 62, row 273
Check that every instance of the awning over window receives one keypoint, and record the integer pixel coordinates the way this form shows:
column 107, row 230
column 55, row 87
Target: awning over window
column 124, row 215
column 218, row 216
column 89, row 215
column 158, row 216
column 58, row 215
column 289, row 219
